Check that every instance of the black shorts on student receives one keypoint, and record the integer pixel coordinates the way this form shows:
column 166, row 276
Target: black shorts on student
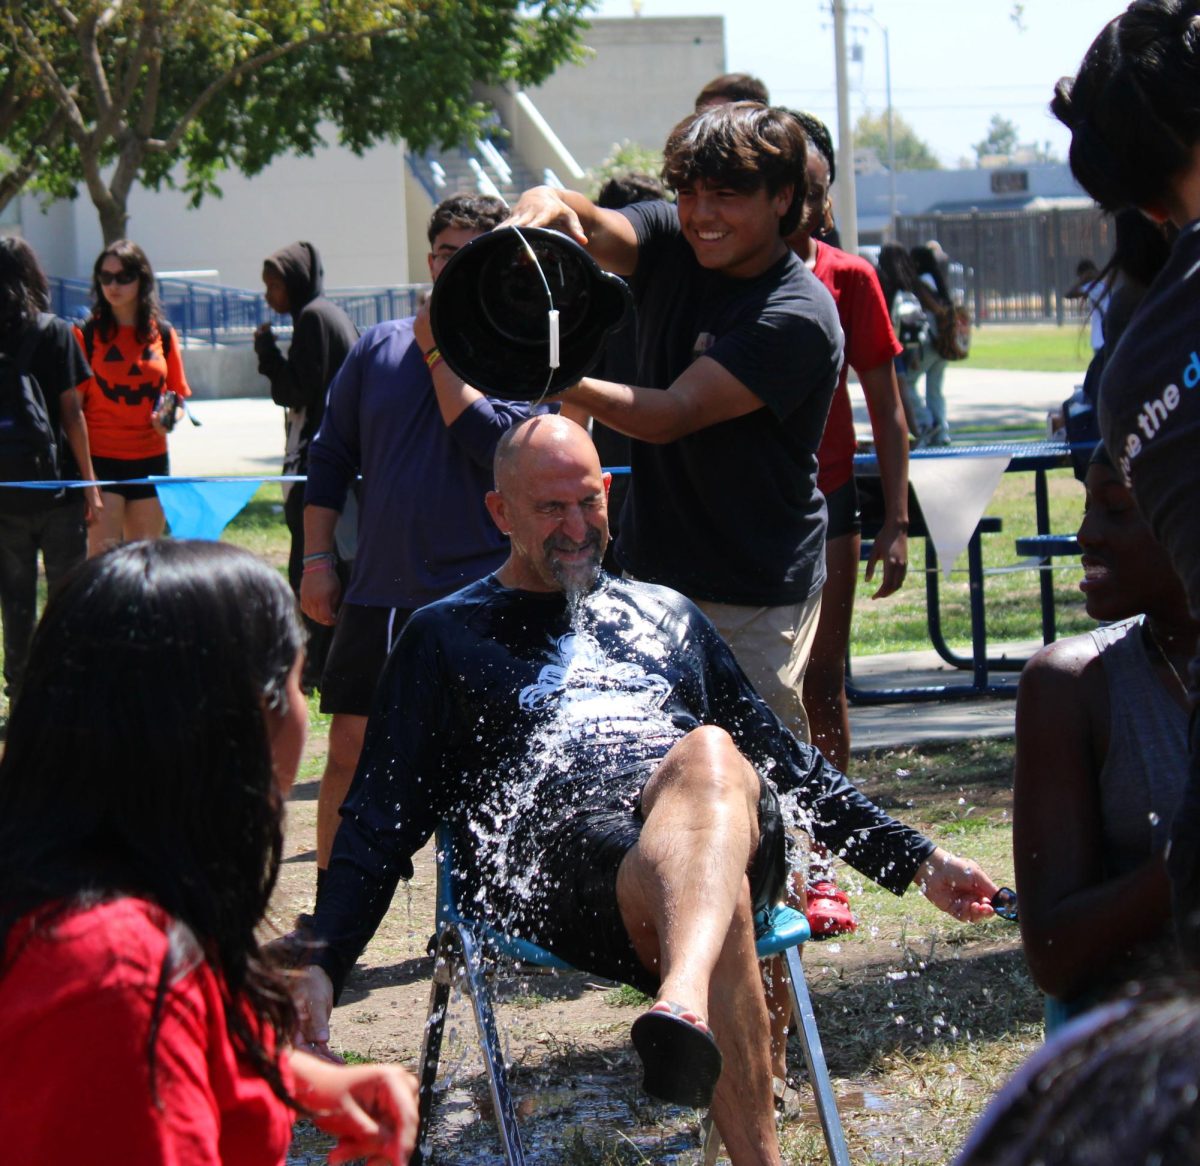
column 119, row 469
column 573, row 850
column 362, row 639
column 845, row 516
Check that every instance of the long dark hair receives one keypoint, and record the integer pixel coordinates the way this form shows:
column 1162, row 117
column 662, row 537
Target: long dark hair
column 24, row 291
column 138, row 763
column 896, row 271
column 1133, row 108
column 925, row 263
column 149, row 311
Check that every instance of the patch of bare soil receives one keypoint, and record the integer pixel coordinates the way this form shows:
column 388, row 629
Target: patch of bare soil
column 879, row 1003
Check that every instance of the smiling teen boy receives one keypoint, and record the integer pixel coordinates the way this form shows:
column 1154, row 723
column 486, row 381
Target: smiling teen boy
column 739, row 348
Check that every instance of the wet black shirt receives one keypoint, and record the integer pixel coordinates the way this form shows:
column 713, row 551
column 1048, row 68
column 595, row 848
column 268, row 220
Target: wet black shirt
column 497, row 703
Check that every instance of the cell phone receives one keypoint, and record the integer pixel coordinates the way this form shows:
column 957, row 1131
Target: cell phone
column 166, row 409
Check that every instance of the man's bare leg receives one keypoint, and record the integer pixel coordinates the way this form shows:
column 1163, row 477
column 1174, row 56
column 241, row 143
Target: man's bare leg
column 685, row 901
column 345, row 744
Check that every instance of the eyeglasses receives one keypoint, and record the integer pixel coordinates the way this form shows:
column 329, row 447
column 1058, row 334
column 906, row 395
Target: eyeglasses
column 123, row 277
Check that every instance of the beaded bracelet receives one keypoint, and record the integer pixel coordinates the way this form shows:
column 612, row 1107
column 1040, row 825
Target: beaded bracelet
column 433, row 358
column 329, row 555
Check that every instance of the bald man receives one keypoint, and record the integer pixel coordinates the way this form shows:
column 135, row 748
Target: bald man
column 601, row 762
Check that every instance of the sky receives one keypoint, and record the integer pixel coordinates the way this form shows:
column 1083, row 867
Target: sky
column 954, row 63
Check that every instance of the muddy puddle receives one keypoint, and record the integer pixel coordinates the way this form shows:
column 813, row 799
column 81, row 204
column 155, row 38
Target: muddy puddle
column 588, row 1118
column 576, row 1104
column 581, row 1120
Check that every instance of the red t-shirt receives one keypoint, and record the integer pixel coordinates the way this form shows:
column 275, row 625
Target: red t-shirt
column 127, row 378
column 870, row 342
column 75, row 1009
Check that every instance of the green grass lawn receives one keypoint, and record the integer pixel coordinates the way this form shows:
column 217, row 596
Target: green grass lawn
column 1011, row 597
column 895, row 624
column 259, row 526
column 1031, row 347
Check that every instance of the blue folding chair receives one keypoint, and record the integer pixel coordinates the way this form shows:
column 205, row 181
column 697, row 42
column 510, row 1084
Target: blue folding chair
column 461, row 944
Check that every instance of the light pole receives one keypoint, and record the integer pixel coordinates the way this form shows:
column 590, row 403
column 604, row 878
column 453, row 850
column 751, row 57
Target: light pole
column 891, row 134
column 845, row 196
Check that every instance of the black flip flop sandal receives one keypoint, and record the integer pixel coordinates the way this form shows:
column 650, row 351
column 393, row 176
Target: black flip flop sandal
column 681, row 1060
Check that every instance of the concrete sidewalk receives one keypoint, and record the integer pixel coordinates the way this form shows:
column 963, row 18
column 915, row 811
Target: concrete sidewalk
column 903, row 723
column 244, row 435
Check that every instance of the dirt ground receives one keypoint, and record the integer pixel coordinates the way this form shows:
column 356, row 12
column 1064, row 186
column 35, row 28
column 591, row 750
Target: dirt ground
column 567, row 1035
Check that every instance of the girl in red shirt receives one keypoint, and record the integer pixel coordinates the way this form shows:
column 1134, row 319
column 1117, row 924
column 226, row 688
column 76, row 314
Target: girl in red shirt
column 147, row 761
column 135, row 361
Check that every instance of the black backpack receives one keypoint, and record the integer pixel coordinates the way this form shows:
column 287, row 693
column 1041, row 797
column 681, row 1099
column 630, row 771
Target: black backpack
column 28, row 441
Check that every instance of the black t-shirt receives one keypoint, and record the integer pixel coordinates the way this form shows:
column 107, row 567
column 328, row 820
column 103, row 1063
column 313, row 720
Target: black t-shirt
column 731, row 513
column 496, row 704
column 1150, row 410
column 59, row 366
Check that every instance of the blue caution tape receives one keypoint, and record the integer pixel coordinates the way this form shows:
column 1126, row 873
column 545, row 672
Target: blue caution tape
column 195, row 507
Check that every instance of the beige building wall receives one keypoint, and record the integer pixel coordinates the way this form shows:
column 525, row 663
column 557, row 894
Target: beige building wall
column 641, row 79
column 352, row 209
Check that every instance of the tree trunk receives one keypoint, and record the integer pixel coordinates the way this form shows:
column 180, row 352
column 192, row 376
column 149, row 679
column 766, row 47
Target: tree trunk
column 114, row 219
column 13, row 183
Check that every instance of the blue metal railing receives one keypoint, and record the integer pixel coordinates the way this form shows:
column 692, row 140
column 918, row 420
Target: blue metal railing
column 206, row 313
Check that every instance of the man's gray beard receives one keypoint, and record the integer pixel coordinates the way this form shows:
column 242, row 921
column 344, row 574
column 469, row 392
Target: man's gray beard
column 576, row 581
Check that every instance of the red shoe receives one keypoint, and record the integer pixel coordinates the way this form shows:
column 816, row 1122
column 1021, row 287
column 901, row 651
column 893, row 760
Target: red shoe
column 828, row 911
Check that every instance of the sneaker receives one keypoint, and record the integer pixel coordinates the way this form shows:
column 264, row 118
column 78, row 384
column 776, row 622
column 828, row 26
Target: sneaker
column 828, row 911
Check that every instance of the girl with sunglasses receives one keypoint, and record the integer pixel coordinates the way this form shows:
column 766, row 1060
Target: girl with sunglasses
column 136, row 366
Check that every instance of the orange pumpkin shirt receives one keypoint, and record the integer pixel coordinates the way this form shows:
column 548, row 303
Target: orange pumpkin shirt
column 127, row 378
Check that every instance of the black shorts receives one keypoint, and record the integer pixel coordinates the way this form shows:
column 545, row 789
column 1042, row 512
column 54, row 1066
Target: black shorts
column 845, row 517
column 362, row 639
column 119, row 469
column 572, row 906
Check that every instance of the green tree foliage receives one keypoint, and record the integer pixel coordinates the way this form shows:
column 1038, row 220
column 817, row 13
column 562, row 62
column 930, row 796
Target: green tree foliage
column 103, row 94
column 625, row 158
column 1001, row 138
column 871, row 132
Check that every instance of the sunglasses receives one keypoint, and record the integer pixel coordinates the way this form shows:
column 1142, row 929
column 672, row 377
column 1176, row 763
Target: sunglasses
column 1004, row 903
column 123, row 277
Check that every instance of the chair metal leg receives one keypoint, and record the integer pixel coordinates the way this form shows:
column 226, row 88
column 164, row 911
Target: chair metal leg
column 459, row 951
column 818, row 1073
column 489, row 1040
column 814, row 1058
column 710, row 1141
column 447, row 962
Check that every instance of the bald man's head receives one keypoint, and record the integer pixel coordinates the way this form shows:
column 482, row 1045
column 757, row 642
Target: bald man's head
column 547, row 438
column 551, row 501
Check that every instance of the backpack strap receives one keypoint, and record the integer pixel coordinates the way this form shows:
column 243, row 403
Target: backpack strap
column 930, row 300
column 89, row 337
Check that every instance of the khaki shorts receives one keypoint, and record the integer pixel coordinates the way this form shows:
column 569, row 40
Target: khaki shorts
column 772, row 645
